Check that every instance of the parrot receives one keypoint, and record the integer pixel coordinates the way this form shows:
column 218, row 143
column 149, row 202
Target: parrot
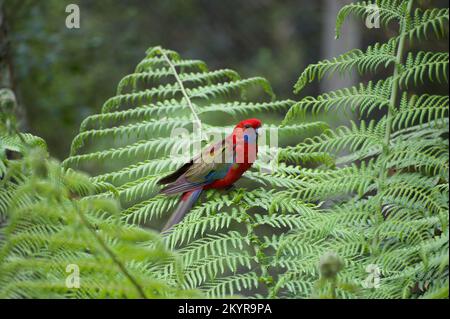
column 218, row 166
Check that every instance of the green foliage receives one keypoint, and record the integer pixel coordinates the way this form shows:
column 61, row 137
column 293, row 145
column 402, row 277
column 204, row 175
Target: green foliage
column 217, row 250
column 51, row 231
column 385, row 199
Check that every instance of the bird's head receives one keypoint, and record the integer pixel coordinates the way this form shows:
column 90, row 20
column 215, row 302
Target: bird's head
column 249, row 123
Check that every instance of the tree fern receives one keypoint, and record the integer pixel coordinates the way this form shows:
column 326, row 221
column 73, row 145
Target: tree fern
column 395, row 211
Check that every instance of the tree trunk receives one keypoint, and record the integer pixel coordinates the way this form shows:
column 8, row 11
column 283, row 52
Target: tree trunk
column 7, row 66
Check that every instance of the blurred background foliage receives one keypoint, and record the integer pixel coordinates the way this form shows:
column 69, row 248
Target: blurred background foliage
column 61, row 76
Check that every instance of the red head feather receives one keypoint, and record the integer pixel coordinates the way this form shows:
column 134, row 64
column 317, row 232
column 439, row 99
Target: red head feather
column 253, row 123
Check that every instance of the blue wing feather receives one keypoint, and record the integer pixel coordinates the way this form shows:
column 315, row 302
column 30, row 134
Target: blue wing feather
column 196, row 175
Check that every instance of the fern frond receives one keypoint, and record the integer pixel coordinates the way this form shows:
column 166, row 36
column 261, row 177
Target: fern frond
column 425, row 66
column 368, row 61
column 388, row 10
column 355, row 138
column 428, row 21
column 421, row 109
column 364, row 98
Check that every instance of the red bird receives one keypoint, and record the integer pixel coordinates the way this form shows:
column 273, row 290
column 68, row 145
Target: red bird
column 217, row 166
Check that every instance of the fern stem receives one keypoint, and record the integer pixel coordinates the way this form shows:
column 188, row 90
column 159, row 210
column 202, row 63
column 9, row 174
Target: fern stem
column 395, row 82
column 183, row 90
column 393, row 100
column 260, row 256
column 110, row 253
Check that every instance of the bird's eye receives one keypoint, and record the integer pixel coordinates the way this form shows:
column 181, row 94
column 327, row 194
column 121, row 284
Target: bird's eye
column 247, row 126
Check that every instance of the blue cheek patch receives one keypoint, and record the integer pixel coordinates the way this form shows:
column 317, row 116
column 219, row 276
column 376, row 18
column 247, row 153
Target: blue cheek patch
column 250, row 139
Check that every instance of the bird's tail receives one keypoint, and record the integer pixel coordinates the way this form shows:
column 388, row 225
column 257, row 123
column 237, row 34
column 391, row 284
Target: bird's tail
column 187, row 200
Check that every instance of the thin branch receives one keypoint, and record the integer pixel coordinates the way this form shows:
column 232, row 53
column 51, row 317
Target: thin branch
column 111, row 253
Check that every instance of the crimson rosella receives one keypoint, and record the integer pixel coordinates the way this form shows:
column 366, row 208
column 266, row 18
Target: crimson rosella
column 217, row 166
